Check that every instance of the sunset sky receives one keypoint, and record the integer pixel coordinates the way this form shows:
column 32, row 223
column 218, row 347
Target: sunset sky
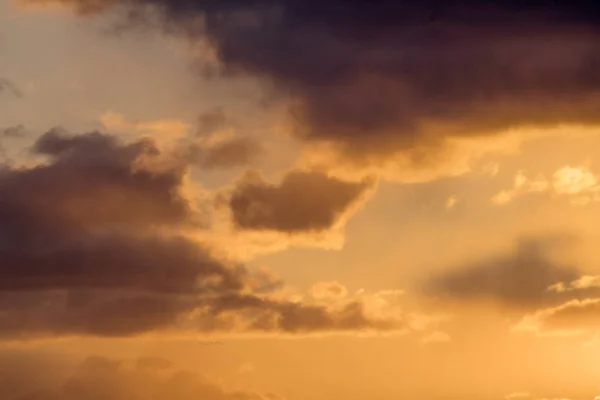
column 299, row 200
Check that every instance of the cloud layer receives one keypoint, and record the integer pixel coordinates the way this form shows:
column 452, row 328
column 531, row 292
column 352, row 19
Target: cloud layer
column 98, row 239
column 521, row 279
column 378, row 79
column 99, row 378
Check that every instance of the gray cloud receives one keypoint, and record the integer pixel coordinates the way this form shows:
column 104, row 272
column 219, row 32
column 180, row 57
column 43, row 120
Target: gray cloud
column 388, row 76
column 520, row 279
column 302, row 202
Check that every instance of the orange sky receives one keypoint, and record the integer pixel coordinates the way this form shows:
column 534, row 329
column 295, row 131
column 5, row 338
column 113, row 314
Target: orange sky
column 299, row 202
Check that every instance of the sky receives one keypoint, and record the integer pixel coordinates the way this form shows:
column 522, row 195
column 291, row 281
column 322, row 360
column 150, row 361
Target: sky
column 299, row 200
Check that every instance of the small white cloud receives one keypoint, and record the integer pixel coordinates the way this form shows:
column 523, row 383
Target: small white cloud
column 521, row 186
column 503, row 197
column 579, row 184
column 451, row 202
column 585, row 282
column 574, row 180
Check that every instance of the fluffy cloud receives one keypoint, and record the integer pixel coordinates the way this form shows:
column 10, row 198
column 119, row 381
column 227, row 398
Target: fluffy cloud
column 572, row 317
column 99, row 378
column 99, row 239
column 579, row 184
column 521, row 185
column 519, row 280
column 582, row 283
column 402, row 76
column 302, row 202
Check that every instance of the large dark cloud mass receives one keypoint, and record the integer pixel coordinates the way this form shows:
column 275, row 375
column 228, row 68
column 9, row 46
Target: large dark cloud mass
column 378, row 77
column 93, row 241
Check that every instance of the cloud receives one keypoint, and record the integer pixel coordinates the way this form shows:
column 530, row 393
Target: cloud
column 519, row 279
column 582, row 283
column 222, row 152
column 212, row 121
column 328, row 290
column 16, row 131
column 301, row 202
column 579, row 184
column 11, row 132
column 522, row 185
column 7, row 86
column 451, row 202
column 100, row 378
column 572, row 317
column 218, row 146
column 212, row 148
column 99, row 238
column 579, row 311
column 574, row 180
column 99, row 222
column 375, row 81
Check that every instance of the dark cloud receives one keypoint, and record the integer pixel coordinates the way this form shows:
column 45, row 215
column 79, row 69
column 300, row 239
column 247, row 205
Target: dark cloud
column 91, row 184
column 302, row 202
column 230, row 152
column 521, row 279
column 95, row 220
column 293, row 317
column 384, row 76
column 99, row 378
column 92, row 242
column 7, row 86
column 108, row 313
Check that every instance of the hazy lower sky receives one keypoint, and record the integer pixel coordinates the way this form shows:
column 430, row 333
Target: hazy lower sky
column 288, row 199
